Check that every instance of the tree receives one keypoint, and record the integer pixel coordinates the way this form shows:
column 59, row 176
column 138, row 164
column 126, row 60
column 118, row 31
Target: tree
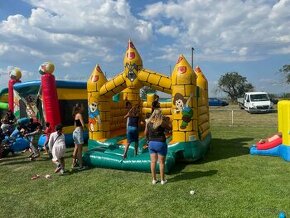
column 286, row 71
column 234, row 85
column 145, row 90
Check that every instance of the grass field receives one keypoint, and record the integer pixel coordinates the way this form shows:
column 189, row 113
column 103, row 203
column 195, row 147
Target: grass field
column 227, row 183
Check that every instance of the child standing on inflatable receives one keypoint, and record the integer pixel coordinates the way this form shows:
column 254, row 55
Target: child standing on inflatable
column 132, row 128
column 155, row 103
column 78, row 136
column 56, row 145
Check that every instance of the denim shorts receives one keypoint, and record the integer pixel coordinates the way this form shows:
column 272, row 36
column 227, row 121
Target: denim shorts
column 78, row 136
column 132, row 134
column 156, row 147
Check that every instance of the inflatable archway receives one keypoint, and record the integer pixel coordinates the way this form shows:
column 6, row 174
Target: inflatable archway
column 188, row 111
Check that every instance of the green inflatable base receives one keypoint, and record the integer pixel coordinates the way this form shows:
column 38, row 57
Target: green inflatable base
column 108, row 154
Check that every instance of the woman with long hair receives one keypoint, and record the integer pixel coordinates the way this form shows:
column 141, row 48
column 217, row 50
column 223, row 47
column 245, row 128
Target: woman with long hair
column 78, row 135
column 155, row 133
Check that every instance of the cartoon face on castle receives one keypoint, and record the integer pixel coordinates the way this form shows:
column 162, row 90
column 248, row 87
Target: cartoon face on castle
column 94, row 115
column 179, row 104
column 93, row 107
column 179, row 101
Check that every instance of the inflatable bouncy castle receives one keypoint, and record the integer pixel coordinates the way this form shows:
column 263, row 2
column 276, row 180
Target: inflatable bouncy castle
column 279, row 146
column 45, row 100
column 187, row 110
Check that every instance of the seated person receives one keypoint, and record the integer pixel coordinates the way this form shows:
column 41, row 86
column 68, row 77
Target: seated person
column 7, row 122
column 272, row 138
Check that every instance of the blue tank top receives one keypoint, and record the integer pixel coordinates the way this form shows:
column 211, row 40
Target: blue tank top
column 133, row 121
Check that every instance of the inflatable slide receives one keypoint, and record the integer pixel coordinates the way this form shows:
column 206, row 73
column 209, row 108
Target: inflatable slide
column 279, row 146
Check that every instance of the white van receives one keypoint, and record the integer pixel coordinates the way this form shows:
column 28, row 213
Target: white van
column 256, row 102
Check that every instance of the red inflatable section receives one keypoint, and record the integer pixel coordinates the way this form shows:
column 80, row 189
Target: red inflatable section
column 11, row 94
column 50, row 100
column 268, row 145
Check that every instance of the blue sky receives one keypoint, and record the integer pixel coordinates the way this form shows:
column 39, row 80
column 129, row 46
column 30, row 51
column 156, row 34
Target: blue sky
column 251, row 37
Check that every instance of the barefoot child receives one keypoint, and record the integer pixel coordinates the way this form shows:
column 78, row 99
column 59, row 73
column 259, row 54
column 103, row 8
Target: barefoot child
column 57, row 147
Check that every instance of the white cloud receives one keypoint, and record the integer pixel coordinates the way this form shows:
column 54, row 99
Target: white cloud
column 3, row 48
column 105, row 18
column 153, row 10
column 237, row 30
column 72, row 31
column 169, row 30
column 75, row 35
column 280, row 10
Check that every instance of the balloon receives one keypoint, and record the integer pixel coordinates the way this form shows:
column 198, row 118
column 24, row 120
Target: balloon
column 15, row 74
column 46, row 67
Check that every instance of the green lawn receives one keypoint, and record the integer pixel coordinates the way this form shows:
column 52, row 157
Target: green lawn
column 227, row 183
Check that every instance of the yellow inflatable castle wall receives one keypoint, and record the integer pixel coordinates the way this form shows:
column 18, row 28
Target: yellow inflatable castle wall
column 188, row 108
column 284, row 128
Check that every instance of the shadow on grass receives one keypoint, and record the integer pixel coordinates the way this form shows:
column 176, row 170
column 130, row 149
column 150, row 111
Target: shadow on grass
column 24, row 160
column 74, row 171
column 226, row 148
column 192, row 175
column 12, row 158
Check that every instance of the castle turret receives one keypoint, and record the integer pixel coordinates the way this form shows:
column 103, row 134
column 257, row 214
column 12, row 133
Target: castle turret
column 98, row 106
column 202, row 103
column 184, row 104
column 132, row 64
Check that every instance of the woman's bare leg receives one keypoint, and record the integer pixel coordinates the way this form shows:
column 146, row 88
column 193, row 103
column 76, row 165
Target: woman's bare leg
column 79, row 154
column 153, row 158
column 126, row 151
column 161, row 160
column 75, row 155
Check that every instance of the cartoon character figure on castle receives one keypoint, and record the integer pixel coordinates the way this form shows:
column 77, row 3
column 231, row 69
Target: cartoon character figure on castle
column 94, row 115
column 182, row 106
column 31, row 107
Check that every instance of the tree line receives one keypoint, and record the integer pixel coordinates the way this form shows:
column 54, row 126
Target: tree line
column 235, row 85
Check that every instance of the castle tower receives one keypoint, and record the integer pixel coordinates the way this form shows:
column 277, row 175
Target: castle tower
column 184, row 107
column 202, row 103
column 132, row 64
column 98, row 106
